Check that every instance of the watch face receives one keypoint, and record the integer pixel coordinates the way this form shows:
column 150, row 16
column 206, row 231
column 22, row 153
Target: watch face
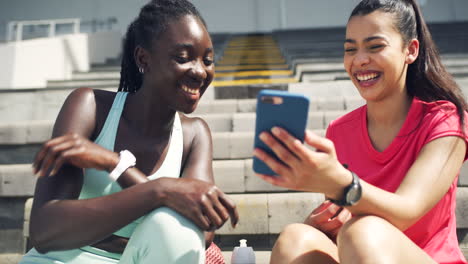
column 353, row 195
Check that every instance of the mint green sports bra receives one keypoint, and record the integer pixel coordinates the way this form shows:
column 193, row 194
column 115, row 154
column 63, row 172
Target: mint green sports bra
column 97, row 183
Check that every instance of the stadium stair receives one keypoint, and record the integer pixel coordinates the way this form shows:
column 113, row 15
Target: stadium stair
column 28, row 116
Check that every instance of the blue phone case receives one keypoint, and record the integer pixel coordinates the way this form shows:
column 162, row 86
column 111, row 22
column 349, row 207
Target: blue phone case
column 291, row 114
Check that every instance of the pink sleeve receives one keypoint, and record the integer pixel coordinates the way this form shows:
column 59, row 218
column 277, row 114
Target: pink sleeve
column 446, row 122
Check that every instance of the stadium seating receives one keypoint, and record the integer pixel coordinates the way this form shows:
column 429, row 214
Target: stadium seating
column 306, row 61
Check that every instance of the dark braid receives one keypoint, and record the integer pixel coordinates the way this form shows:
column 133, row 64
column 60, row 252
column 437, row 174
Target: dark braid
column 427, row 77
column 153, row 19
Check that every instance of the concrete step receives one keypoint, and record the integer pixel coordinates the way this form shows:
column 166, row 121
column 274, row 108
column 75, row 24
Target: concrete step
column 226, row 145
column 12, row 258
column 96, row 75
column 452, row 66
column 84, row 83
column 268, row 213
column 346, row 89
column 34, row 104
column 231, row 176
column 37, row 131
column 44, row 104
column 295, row 59
column 224, row 91
column 311, row 77
column 261, row 257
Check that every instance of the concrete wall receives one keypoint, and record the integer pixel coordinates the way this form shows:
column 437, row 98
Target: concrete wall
column 221, row 15
column 29, row 64
column 7, row 53
column 104, row 45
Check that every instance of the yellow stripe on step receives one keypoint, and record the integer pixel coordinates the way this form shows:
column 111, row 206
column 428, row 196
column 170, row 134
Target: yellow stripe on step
column 251, row 61
column 253, row 73
column 250, row 67
column 253, row 81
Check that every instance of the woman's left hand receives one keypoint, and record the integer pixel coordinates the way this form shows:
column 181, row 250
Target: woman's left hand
column 72, row 149
column 328, row 218
column 303, row 168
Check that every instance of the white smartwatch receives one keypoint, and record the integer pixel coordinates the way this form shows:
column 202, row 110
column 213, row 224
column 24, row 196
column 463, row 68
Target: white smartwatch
column 126, row 161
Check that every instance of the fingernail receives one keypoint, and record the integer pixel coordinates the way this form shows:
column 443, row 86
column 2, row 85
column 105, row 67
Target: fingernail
column 275, row 131
column 263, row 136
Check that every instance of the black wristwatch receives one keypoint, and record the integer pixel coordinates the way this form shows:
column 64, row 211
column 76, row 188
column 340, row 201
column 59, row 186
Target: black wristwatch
column 352, row 193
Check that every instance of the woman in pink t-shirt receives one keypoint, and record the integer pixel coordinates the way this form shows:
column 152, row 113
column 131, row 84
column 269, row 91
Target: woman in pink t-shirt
column 389, row 169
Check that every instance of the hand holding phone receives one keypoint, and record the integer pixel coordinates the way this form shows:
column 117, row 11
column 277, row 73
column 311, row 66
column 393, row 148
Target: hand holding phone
column 283, row 109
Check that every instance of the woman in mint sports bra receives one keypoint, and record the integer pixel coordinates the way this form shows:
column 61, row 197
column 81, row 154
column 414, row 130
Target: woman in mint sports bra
column 126, row 177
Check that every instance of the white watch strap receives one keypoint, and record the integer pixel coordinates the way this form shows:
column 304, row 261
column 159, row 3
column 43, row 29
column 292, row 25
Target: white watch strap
column 126, row 161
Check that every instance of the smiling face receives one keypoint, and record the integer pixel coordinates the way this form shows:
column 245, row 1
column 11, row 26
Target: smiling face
column 179, row 66
column 376, row 58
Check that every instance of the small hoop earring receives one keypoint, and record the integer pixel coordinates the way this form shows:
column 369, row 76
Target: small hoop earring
column 141, row 70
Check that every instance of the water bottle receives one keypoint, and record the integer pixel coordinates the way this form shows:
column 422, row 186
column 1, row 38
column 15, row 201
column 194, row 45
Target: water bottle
column 243, row 254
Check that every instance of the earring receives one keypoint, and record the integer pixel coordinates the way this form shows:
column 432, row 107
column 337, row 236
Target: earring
column 141, row 70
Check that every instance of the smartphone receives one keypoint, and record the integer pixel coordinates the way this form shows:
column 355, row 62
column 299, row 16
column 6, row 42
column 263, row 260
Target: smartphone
column 283, row 109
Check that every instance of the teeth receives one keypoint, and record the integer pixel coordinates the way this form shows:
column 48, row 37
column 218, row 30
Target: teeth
column 366, row 77
column 188, row 90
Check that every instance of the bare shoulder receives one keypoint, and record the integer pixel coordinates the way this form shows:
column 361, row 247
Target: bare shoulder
column 195, row 124
column 87, row 96
column 80, row 111
column 196, row 132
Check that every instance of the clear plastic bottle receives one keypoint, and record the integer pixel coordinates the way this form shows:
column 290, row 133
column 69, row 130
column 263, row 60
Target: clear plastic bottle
column 243, row 254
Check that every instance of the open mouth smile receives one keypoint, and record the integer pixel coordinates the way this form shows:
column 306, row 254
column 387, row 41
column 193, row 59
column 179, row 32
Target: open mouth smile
column 367, row 77
column 190, row 90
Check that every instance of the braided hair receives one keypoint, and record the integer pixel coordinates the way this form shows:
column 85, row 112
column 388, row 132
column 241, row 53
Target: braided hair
column 153, row 19
column 427, row 77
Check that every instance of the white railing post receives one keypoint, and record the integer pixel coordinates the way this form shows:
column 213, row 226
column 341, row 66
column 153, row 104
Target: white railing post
column 76, row 26
column 19, row 31
column 52, row 29
column 283, row 14
column 9, row 36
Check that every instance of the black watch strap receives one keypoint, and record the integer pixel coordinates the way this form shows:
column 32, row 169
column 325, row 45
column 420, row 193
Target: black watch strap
column 351, row 194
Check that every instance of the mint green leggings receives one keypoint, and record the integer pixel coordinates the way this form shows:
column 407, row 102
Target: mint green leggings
column 164, row 236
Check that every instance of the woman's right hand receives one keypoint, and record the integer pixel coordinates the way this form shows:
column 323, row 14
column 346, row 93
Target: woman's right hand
column 328, row 218
column 202, row 202
column 73, row 149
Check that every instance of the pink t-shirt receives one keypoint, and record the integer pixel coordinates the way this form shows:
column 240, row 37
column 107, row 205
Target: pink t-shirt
column 435, row 232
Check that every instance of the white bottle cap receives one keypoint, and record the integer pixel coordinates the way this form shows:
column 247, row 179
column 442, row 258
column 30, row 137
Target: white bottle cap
column 243, row 242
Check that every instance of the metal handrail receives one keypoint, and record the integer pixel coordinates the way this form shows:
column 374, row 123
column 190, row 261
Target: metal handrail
column 18, row 25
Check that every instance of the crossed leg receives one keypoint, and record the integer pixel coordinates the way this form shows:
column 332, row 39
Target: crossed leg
column 165, row 236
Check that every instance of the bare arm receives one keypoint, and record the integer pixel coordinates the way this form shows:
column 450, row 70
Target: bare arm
column 428, row 179
column 94, row 219
column 198, row 165
column 435, row 169
column 58, row 220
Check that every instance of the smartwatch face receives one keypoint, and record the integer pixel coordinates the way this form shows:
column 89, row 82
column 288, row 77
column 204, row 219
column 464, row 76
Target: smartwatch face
column 354, row 194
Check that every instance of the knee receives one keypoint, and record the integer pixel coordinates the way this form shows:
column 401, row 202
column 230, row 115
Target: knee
column 165, row 222
column 300, row 236
column 363, row 227
column 363, row 235
column 165, row 236
column 165, row 216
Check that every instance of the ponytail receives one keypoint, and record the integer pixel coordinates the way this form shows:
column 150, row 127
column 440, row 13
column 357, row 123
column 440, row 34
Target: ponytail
column 427, row 77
